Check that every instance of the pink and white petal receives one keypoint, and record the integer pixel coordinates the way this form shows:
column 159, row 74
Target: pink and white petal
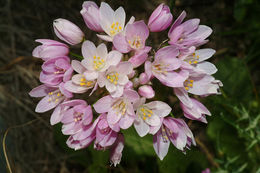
column 131, row 95
column 67, row 74
column 110, row 87
column 138, row 59
column 114, row 57
column 155, row 129
column 160, row 145
column 177, row 22
column 208, row 67
column 87, row 63
column 141, row 127
column 39, row 91
column 190, row 25
column 104, row 104
column 106, row 17
column 126, row 121
column 201, row 33
column 202, row 108
column 120, row 17
column 154, row 120
column 183, row 96
column 204, row 54
column 102, row 51
column 159, row 108
column 45, row 104
column 88, row 50
column 121, row 44
column 105, row 37
column 70, row 86
column 125, row 68
column 148, row 69
column 77, row 66
column 139, row 102
column 113, row 117
column 56, row 116
column 91, row 75
column 122, row 79
column 118, row 92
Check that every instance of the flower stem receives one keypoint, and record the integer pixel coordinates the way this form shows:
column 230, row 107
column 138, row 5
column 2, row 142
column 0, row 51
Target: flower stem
column 76, row 55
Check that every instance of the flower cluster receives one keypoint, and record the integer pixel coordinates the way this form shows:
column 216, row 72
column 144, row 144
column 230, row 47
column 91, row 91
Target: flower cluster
column 179, row 65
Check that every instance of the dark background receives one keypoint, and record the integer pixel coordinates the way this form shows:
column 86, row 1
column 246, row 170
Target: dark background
column 230, row 141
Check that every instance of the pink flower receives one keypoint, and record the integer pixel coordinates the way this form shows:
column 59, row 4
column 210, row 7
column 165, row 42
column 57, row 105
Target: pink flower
column 56, row 70
column 52, row 96
column 77, row 115
column 133, row 39
column 115, row 78
column 112, row 22
column 164, row 66
column 50, row 49
column 206, row 171
column 105, row 136
column 79, row 83
column 160, row 19
column 197, row 60
column 91, row 15
column 189, row 33
column 117, row 149
column 97, row 60
column 143, row 78
column 68, row 31
column 120, row 112
column 196, row 112
column 149, row 116
column 140, row 56
column 176, row 131
column 146, row 91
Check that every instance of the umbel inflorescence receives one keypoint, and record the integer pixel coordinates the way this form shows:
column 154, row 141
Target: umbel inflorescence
column 179, row 65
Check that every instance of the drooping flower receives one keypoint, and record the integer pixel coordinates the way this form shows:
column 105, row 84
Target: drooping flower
column 164, row 67
column 149, row 115
column 112, row 22
column 50, row 49
column 91, row 15
column 196, row 112
column 78, row 114
column 189, row 33
column 117, row 149
column 52, row 96
column 98, row 60
column 176, row 131
column 197, row 60
column 115, row 78
column 56, row 70
column 160, row 19
column 146, row 91
column 133, row 38
column 68, row 31
column 105, row 136
column 79, row 83
column 120, row 111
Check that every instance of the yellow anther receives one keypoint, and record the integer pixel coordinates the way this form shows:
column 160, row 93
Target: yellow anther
column 187, row 88
column 82, row 80
column 190, row 62
column 56, row 100
column 193, row 54
column 108, row 77
column 89, row 83
column 98, row 57
column 144, row 118
column 102, row 60
column 115, row 82
column 142, row 109
column 49, row 100
column 191, row 81
column 149, row 115
column 95, row 57
column 82, row 83
column 150, row 111
column 120, row 27
column 58, row 94
column 117, row 23
column 195, row 62
column 198, row 56
column 115, row 28
column 190, row 84
column 95, row 62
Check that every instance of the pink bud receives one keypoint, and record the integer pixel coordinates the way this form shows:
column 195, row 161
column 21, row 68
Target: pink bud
column 91, row 16
column 129, row 85
column 146, row 91
column 160, row 19
column 68, row 31
column 132, row 74
column 143, row 78
column 117, row 149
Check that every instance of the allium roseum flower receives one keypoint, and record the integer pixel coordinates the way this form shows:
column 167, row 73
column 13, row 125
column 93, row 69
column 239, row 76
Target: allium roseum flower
column 160, row 19
column 149, row 115
column 133, row 39
column 78, row 82
column 189, row 33
column 78, row 114
column 50, row 49
column 120, row 111
column 140, row 57
column 164, row 67
column 117, row 149
column 146, row 91
column 196, row 112
column 68, row 31
column 105, row 136
column 97, row 59
column 176, row 131
column 52, row 96
column 56, row 70
column 91, row 15
column 115, row 78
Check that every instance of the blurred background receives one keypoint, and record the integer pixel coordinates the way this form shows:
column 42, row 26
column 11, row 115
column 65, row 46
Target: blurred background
column 229, row 143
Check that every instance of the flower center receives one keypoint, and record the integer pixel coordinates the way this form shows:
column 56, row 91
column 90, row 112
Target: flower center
column 144, row 113
column 77, row 116
column 59, row 71
column 99, row 63
column 160, row 68
column 55, row 96
column 84, row 82
column 113, row 77
column 136, row 42
column 115, row 28
column 188, row 84
column 120, row 107
column 192, row 59
column 164, row 135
